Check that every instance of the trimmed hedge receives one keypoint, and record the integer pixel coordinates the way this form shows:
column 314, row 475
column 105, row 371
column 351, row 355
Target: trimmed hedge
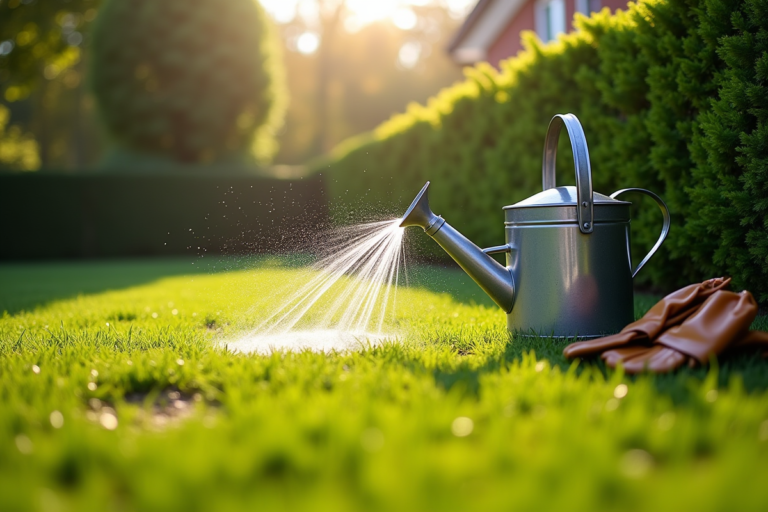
column 77, row 216
column 672, row 98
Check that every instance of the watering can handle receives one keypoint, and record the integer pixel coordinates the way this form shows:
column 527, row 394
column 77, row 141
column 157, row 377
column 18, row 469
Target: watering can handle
column 664, row 226
column 584, row 203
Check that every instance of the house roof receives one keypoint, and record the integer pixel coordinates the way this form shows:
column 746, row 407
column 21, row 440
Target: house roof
column 481, row 29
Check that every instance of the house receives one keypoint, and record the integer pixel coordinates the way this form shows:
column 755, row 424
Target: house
column 491, row 32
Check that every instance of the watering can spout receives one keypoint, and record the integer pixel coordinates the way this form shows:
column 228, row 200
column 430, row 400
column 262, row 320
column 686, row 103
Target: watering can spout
column 495, row 279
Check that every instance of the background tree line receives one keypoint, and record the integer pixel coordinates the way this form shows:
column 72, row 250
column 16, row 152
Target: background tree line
column 359, row 74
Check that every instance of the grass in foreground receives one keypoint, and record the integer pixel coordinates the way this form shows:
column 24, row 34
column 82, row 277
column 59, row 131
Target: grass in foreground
column 115, row 394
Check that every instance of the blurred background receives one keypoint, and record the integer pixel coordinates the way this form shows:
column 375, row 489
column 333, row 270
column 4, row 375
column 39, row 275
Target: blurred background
column 344, row 67
column 149, row 128
column 186, row 127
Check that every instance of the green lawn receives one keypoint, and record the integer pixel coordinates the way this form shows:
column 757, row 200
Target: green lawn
column 115, row 394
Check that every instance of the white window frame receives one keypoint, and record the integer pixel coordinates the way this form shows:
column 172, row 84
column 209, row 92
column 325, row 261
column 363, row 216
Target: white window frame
column 550, row 20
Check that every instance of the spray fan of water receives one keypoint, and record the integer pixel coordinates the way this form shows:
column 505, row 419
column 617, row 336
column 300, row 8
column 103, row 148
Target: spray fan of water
column 345, row 300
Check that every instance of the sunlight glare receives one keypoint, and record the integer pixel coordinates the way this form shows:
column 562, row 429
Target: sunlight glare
column 307, row 43
column 404, row 19
column 458, row 9
column 409, row 54
column 352, row 24
column 368, row 11
column 283, row 11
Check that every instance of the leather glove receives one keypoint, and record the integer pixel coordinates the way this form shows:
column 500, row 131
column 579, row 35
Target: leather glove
column 720, row 323
column 668, row 312
column 723, row 319
column 656, row 359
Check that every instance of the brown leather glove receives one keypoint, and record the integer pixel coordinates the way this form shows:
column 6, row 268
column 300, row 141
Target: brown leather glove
column 720, row 323
column 655, row 358
column 723, row 319
column 668, row 312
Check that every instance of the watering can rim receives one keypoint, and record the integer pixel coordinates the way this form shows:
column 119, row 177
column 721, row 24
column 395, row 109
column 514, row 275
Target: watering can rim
column 562, row 196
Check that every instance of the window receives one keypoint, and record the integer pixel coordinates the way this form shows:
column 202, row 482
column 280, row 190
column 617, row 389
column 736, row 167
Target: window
column 587, row 7
column 550, row 19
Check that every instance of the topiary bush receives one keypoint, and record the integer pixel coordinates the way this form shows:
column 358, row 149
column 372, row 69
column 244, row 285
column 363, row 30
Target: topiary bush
column 193, row 81
column 672, row 98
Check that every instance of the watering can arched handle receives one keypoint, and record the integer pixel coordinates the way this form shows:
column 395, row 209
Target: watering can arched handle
column 664, row 226
column 584, row 204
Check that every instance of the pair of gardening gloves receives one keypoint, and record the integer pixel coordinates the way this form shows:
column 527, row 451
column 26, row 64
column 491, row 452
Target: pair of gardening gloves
column 687, row 327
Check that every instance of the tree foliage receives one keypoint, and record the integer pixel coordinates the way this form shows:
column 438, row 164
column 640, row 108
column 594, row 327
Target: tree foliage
column 40, row 38
column 359, row 84
column 195, row 81
column 18, row 151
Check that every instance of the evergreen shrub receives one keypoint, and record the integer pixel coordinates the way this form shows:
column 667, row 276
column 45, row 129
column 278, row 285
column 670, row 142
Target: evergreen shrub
column 193, row 81
column 672, row 98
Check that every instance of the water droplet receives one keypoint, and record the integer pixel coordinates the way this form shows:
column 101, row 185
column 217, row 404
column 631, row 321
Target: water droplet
column 57, row 419
column 108, row 420
column 462, row 426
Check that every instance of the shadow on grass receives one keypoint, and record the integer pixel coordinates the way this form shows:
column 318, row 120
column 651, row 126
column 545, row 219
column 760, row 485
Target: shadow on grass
column 681, row 386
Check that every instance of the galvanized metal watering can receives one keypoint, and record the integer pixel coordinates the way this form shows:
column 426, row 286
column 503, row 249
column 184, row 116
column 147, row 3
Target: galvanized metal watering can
column 569, row 269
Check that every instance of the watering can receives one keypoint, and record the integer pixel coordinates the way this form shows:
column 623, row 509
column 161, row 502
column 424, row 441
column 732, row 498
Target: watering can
column 569, row 268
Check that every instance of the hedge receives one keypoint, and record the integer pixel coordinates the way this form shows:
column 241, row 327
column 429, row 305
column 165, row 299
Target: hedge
column 90, row 216
column 671, row 95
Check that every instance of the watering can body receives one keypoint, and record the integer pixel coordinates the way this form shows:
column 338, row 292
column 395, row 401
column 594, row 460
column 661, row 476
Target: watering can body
column 567, row 282
column 568, row 265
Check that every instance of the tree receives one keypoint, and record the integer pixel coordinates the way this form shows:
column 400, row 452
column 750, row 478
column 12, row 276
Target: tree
column 41, row 72
column 192, row 81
